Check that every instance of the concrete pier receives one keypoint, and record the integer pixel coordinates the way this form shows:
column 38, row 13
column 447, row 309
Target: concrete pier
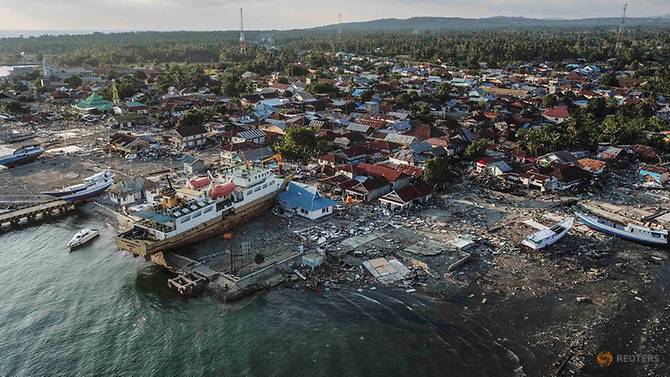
column 33, row 214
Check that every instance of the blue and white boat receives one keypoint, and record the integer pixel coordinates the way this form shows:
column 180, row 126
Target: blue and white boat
column 21, row 156
column 631, row 232
column 88, row 182
column 92, row 187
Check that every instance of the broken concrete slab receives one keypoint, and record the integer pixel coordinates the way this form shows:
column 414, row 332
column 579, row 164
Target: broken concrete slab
column 463, row 242
column 426, row 248
column 386, row 270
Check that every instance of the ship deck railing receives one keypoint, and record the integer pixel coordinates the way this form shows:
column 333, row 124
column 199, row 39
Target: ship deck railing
column 154, row 225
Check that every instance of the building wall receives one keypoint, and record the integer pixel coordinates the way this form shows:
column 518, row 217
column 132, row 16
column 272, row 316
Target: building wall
column 313, row 215
column 123, row 200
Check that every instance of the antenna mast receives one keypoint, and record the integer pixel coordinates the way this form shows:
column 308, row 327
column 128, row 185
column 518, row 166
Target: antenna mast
column 243, row 42
column 620, row 35
column 339, row 23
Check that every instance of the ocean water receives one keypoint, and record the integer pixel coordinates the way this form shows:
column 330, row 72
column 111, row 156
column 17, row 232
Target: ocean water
column 100, row 312
column 37, row 33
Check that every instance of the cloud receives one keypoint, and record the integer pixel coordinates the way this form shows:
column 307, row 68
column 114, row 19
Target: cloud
column 284, row 14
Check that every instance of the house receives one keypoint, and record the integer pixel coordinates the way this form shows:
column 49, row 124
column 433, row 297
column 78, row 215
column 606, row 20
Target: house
column 557, row 114
column 328, row 159
column 568, row 176
column 354, row 155
column 126, row 143
column 497, row 168
column 254, row 135
column 654, row 174
column 482, row 163
column 610, row 153
column 129, row 120
column 556, row 158
column 382, row 146
column 305, row 201
column 95, row 103
column 132, row 191
column 336, row 184
column 407, row 196
column 372, row 107
column 256, row 154
column 360, row 128
column 536, row 180
column 191, row 136
column 417, row 154
column 368, row 189
column 194, row 165
column 401, row 139
column 395, row 177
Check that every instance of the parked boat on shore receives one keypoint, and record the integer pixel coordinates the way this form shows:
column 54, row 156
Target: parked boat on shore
column 631, row 232
column 549, row 236
column 82, row 238
column 22, row 156
column 93, row 186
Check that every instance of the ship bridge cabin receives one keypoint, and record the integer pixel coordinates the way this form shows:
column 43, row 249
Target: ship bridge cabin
column 183, row 210
column 175, row 215
column 254, row 182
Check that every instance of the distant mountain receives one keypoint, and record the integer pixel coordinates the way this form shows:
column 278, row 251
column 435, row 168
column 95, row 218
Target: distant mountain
column 422, row 24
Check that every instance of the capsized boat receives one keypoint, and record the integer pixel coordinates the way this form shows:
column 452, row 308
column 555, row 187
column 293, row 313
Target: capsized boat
column 549, row 236
column 82, row 238
column 21, row 156
column 631, row 232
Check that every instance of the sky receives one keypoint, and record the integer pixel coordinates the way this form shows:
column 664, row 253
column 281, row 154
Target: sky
column 285, row 14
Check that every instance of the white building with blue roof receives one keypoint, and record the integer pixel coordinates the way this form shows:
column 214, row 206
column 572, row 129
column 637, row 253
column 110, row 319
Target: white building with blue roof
column 305, row 201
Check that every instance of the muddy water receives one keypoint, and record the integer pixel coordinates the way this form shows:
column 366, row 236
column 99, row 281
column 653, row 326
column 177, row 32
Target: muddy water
column 100, row 312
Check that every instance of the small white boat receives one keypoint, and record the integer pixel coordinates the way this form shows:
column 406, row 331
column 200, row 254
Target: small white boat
column 549, row 236
column 631, row 232
column 82, row 237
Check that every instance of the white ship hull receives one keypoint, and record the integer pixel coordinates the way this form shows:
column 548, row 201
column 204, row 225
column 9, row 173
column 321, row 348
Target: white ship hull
column 631, row 232
column 547, row 237
column 82, row 238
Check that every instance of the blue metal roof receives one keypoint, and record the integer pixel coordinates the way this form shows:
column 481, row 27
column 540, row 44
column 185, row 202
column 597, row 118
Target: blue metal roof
column 298, row 196
column 155, row 216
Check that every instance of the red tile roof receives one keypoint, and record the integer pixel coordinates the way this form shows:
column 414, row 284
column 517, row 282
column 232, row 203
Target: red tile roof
column 591, row 165
column 557, row 112
column 654, row 169
column 412, row 171
column 414, row 191
column 391, row 175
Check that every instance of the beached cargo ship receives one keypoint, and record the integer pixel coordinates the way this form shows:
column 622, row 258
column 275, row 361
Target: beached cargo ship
column 240, row 196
